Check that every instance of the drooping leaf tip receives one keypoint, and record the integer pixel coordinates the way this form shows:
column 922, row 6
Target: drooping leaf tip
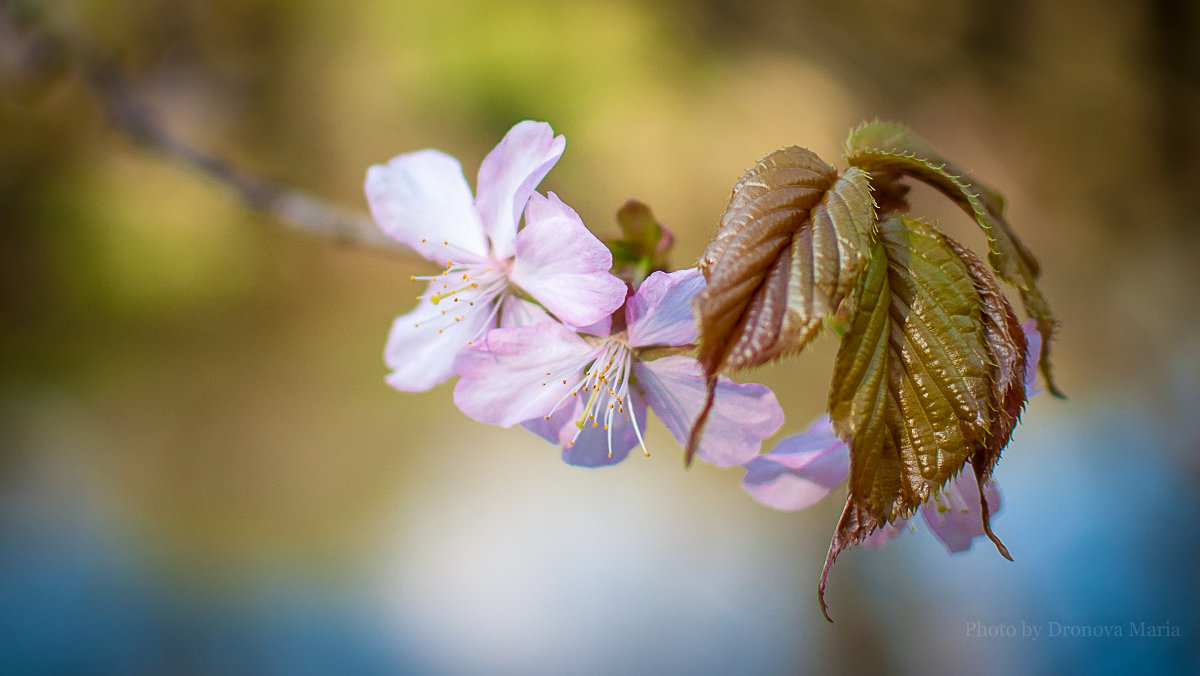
column 697, row 432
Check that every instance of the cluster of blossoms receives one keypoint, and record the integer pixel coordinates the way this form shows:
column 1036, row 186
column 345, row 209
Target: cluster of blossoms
column 530, row 317
column 528, row 314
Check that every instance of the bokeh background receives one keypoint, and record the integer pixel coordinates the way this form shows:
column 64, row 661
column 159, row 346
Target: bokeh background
column 203, row 472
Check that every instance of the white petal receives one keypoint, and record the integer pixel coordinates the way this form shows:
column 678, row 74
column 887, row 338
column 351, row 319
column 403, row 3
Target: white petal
column 516, row 312
column 563, row 266
column 660, row 313
column 422, row 200
column 503, row 374
column 420, row 356
column 509, row 174
column 742, row 415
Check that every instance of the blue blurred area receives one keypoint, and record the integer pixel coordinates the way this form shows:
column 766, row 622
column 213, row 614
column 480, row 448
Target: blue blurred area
column 1097, row 519
column 75, row 600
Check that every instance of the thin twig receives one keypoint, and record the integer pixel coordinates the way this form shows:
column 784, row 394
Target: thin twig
column 44, row 52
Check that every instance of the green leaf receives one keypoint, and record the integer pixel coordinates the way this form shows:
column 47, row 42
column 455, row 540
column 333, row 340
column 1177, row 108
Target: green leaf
column 912, row 386
column 890, row 149
column 789, row 249
column 1007, row 355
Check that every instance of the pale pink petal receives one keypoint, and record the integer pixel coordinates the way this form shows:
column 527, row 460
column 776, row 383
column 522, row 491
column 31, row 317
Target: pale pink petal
column 955, row 515
column 660, row 313
column 562, row 265
column 422, row 345
column 422, row 200
column 591, row 448
column 801, row 469
column 517, row 312
column 600, row 328
column 742, row 415
column 509, row 175
column 550, row 427
column 503, row 379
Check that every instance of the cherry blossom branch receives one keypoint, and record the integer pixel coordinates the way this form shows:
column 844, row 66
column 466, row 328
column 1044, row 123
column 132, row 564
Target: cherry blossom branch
column 42, row 54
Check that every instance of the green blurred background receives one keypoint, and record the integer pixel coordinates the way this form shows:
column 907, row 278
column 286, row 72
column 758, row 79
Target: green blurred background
column 202, row 470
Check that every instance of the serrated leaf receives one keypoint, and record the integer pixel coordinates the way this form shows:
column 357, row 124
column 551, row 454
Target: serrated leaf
column 890, row 148
column 1008, row 353
column 912, row 385
column 788, row 251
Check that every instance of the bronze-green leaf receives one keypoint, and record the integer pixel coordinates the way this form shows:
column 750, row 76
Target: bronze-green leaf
column 789, row 249
column 912, row 385
column 888, row 148
column 1008, row 353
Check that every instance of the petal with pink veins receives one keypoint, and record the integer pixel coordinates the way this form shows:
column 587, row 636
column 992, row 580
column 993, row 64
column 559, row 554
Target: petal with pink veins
column 518, row 312
column 503, row 375
column 562, row 265
column 742, row 416
column 508, row 176
column 421, row 200
column 422, row 345
column 601, row 328
column 660, row 313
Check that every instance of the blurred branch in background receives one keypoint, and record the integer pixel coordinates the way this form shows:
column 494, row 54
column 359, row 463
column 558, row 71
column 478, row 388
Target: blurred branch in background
column 39, row 53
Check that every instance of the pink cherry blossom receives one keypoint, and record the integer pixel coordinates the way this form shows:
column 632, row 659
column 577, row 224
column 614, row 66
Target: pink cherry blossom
column 588, row 390
column 492, row 265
